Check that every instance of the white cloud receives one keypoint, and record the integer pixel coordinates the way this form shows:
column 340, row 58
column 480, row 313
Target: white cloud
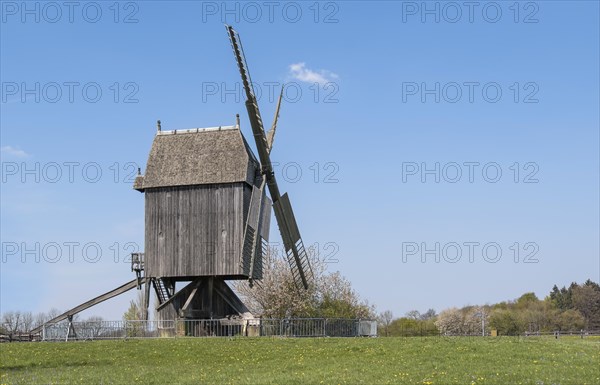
column 299, row 71
column 13, row 152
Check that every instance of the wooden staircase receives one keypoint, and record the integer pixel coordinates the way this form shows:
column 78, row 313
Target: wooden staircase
column 164, row 290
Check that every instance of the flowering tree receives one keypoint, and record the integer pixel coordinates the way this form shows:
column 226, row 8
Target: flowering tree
column 466, row 321
column 276, row 296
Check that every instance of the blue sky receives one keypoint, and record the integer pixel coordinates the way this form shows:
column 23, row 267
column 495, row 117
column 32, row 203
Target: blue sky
column 363, row 78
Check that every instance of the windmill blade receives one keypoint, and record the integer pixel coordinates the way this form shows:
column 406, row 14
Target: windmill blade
column 292, row 242
column 238, row 51
column 252, row 250
column 271, row 133
column 251, row 103
column 295, row 251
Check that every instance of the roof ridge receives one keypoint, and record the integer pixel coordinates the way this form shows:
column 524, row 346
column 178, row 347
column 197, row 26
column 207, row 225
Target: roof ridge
column 197, row 130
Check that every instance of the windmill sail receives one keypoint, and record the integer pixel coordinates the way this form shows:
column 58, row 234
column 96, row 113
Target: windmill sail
column 253, row 250
column 286, row 221
column 271, row 133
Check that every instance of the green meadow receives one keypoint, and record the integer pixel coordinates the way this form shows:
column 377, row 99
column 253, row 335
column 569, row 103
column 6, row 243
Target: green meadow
column 427, row 360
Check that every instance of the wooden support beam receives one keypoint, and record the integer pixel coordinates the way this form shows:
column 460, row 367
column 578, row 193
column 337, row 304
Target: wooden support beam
column 225, row 292
column 101, row 298
column 209, row 304
column 190, row 298
column 147, row 286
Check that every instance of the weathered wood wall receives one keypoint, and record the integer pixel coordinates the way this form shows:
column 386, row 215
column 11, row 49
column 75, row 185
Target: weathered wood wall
column 195, row 231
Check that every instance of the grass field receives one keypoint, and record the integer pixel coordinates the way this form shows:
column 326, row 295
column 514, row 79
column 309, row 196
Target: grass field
column 430, row 360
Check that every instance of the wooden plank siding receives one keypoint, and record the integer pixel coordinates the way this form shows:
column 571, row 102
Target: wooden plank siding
column 194, row 231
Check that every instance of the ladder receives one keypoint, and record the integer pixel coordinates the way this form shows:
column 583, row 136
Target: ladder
column 163, row 290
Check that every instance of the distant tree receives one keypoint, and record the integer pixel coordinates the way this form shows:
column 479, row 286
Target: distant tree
column 405, row 327
column 503, row 305
column 526, row 300
column 95, row 326
column 586, row 299
column 561, row 298
column 413, row 314
column 472, row 320
column 593, row 284
column 135, row 312
column 384, row 319
column 535, row 318
column 53, row 313
column 39, row 319
column 26, row 322
column 428, row 315
column 569, row 320
column 11, row 321
column 450, row 322
column 339, row 300
column 506, row 322
column 465, row 321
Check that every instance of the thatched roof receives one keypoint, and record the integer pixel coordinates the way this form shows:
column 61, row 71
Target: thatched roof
column 197, row 157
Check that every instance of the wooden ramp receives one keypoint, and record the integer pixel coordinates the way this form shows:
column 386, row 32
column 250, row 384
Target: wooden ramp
column 86, row 305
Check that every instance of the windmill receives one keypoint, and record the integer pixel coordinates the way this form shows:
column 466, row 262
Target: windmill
column 207, row 217
column 209, row 179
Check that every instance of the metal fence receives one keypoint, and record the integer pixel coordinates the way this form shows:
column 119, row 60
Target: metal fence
column 104, row 330
column 565, row 333
column 291, row 327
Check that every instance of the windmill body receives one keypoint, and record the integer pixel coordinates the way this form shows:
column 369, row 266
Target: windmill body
column 206, row 220
column 207, row 214
column 198, row 188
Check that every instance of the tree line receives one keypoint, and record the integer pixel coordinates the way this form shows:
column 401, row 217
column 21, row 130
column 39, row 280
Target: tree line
column 572, row 308
column 13, row 323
